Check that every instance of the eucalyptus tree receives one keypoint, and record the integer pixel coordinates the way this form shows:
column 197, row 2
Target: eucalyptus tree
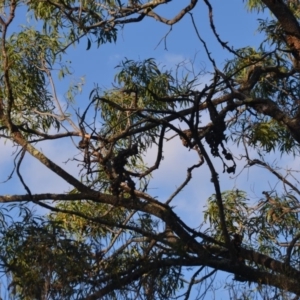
column 110, row 237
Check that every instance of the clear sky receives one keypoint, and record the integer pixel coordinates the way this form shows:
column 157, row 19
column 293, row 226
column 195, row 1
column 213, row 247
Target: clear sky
column 138, row 41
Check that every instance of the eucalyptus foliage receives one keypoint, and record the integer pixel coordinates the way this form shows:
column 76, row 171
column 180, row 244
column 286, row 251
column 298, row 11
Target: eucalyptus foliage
column 109, row 236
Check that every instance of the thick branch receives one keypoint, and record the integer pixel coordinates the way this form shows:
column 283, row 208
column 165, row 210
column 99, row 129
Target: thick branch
column 18, row 138
column 269, row 108
column 289, row 24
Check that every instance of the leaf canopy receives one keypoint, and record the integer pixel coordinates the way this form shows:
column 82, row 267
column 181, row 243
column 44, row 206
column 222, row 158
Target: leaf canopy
column 108, row 235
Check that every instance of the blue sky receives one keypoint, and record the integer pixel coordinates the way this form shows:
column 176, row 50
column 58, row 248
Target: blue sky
column 140, row 41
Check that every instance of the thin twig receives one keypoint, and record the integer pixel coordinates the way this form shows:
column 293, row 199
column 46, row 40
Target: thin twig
column 188, row 178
